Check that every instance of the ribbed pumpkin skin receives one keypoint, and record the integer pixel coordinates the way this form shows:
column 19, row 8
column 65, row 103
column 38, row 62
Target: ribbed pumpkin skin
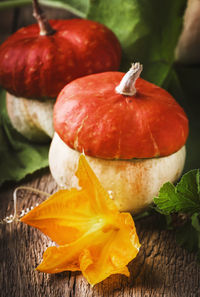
column 34, row 66
column 90, row 116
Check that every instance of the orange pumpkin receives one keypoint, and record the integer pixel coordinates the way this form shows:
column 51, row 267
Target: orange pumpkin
column 132, row 131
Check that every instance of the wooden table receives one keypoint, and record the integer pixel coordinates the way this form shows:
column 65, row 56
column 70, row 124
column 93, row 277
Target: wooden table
column 160, row 269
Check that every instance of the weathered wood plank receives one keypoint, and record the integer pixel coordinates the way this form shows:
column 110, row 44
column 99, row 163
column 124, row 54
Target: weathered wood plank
column 161, row 268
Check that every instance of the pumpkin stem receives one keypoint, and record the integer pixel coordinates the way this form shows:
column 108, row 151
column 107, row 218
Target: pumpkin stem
column 127, row 84
column 39, row 15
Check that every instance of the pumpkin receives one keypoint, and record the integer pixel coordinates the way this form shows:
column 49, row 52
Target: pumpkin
column 133, row 132
column 32, row 118
column 39, row 60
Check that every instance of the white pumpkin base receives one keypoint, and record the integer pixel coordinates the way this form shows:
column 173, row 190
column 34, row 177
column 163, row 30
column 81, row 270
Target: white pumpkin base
column 132, row 183
column 32, row 118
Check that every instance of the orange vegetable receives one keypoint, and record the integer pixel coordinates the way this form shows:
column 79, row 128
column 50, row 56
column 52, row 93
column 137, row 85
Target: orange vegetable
column 92, row 235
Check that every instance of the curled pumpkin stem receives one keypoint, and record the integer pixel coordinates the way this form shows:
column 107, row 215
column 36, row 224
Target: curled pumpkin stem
column 127, row 84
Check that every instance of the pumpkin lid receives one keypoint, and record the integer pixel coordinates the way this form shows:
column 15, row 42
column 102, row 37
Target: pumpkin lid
column 105, row 118
column 35, row 64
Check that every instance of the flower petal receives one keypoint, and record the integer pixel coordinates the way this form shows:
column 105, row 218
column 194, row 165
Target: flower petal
column 98, row 254
column 64, row 216
column 58, row 259
column 113, row 254
column 99, row 197
column 93, row 235
column 67, row 214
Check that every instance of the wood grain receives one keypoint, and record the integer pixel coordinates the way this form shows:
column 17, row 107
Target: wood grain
column 160, row 269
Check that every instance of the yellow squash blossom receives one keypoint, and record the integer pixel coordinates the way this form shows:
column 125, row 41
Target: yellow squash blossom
column 91, row 234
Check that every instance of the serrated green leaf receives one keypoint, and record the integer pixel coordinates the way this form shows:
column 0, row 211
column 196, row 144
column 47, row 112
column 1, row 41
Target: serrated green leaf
column 189, row 186
column 18, row 157
column 167, row 199
column 182, row 198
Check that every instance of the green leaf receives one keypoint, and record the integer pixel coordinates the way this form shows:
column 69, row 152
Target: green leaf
column 13, row 3
column 189, row 186
column 78, row 8
column 147, row 30
column 185, row 197
column 167, row 199
column 18, row 157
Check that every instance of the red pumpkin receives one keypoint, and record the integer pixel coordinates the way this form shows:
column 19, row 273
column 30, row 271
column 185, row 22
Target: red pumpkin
column 35, row 66
column 121, row 125
column 91, row 116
